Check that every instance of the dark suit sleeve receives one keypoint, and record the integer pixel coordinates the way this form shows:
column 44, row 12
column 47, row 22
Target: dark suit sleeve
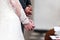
column 23, row 3
column 28, row 2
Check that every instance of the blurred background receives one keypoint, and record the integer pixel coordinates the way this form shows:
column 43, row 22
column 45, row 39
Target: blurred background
column 46, row 15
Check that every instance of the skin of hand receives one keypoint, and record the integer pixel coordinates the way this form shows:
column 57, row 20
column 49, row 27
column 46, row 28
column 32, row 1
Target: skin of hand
column 57, row 39
column 30, row 7
column 28, row 10
column 29, row 26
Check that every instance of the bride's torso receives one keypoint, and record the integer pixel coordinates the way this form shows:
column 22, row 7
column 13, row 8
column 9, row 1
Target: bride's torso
column 10, row 28
column 5, row 6
column 6, row 10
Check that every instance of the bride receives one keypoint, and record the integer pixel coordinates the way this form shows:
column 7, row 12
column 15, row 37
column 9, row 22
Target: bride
column 11, row 16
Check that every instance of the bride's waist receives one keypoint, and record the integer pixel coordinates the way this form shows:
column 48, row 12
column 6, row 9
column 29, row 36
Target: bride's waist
column 8, row 15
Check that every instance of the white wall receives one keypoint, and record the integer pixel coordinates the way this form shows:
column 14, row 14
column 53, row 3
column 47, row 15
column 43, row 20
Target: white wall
column 46, row 13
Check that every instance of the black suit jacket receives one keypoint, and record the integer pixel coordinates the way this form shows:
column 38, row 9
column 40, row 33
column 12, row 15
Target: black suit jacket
column 25, row 3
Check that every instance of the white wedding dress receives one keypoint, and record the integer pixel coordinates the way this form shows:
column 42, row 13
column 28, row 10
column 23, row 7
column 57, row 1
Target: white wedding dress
column 10, row 24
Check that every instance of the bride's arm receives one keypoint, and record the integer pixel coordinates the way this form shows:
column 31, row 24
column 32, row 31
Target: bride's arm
column 19, row 11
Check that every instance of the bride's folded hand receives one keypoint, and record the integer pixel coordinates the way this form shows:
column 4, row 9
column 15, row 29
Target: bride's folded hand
column 29, row 26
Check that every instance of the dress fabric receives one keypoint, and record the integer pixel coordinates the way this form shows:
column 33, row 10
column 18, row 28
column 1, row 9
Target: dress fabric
column 10, row 25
